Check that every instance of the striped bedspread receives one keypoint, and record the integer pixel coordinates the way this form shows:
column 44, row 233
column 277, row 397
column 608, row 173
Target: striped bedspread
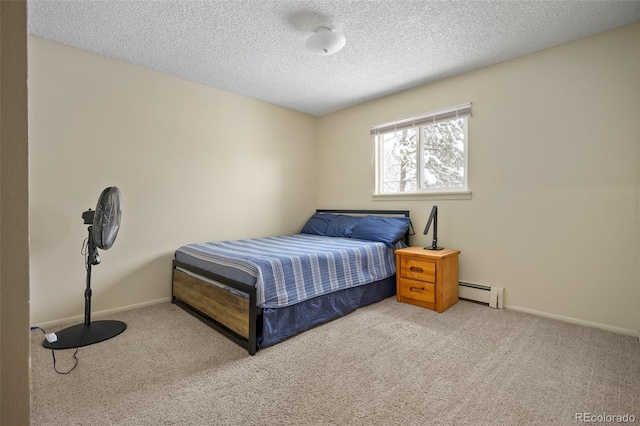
column 290, row 269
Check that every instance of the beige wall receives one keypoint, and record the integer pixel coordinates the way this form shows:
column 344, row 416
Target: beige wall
column 193, row 164
column 14, row 216
column 554, row 144
column 553, row 166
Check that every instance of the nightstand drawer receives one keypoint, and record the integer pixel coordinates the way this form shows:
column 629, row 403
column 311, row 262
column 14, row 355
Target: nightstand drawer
column 417, row 290
column 418, row 269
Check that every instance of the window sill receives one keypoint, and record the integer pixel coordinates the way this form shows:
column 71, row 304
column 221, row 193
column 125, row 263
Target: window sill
column 418, row 196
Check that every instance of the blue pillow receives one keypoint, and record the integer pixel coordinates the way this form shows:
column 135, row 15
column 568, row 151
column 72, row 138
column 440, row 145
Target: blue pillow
column 342, row 226
column 388, row 230
column 318, row 224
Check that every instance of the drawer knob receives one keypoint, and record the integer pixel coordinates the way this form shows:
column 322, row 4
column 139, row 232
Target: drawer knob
column 416, row 289
column 416, row 269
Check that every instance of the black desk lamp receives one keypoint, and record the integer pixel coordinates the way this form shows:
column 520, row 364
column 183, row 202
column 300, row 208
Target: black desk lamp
column 433, row 217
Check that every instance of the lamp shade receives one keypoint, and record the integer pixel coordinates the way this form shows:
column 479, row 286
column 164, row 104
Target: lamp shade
column 325, row 42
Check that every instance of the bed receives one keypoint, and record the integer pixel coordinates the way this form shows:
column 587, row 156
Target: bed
column 261, row 291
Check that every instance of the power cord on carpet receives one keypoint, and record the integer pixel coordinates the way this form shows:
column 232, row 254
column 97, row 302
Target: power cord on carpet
column 51, row 337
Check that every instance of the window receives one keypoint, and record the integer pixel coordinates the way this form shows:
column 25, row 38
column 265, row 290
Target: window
column 426, row 154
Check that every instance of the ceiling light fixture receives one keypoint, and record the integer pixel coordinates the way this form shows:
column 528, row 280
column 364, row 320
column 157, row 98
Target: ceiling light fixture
column 325, row 42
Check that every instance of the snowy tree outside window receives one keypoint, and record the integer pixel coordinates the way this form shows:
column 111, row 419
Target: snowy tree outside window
column 428, row 158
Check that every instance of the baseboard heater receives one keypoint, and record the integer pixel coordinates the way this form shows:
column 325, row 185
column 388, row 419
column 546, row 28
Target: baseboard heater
column 491, row 296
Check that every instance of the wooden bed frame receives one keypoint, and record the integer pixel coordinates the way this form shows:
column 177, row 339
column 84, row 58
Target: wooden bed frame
column 235, row 316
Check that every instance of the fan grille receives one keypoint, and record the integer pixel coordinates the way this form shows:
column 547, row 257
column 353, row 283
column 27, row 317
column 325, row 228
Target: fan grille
column 106, row 221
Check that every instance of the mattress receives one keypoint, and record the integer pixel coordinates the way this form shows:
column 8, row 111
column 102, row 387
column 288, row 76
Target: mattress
column 290, row 269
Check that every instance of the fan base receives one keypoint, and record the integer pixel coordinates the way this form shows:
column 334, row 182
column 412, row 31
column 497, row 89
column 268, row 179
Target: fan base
column 95, row 332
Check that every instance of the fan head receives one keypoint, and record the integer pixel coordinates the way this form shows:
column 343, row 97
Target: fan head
column 106, row 220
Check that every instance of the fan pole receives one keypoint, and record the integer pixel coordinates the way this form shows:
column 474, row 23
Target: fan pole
column 92, row 259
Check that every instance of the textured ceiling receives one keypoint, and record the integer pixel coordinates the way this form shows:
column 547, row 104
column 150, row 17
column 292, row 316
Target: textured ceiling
column 256, row 47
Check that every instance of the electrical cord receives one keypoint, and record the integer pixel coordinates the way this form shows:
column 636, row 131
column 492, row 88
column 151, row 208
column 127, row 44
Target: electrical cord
column 53, row 353
column 84, row 251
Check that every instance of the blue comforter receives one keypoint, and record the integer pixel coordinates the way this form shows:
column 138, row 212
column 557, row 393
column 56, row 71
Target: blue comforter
column 289, row 269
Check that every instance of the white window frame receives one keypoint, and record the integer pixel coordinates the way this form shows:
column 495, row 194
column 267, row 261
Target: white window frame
column 422, row 193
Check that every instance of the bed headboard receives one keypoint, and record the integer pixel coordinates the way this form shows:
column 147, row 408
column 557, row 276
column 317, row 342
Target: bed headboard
column 404, row 213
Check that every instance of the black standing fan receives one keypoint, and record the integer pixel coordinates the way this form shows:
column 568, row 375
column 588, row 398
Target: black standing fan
column 103, row 223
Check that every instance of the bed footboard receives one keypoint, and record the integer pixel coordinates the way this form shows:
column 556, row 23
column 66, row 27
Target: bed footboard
column 235, row 316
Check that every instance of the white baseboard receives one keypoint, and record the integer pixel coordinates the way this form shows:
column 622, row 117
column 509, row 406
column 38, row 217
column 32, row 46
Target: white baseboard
column 619, row 330
column 80, row 318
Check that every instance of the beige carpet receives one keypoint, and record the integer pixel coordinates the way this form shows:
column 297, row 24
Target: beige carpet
column 386, row 364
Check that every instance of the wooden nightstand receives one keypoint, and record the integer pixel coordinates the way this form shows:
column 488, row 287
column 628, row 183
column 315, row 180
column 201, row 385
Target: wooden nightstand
column 427, row 278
